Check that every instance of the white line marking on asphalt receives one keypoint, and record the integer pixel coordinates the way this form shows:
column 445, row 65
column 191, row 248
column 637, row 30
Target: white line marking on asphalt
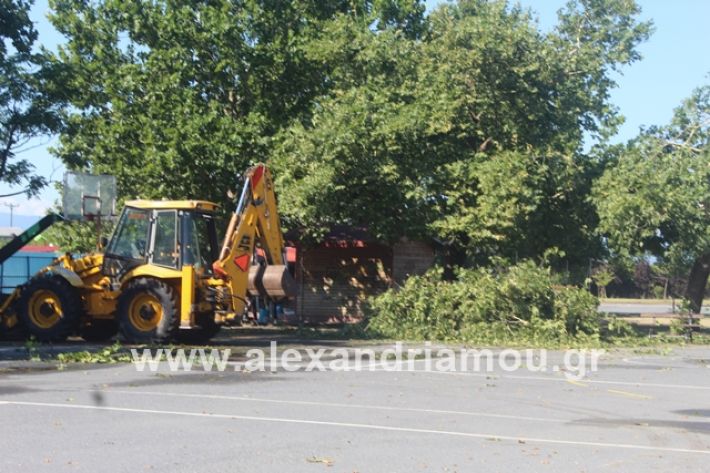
column 563, row 379
column 636, row 361
column 365, row 426
column 374, row 369
column 330, row 404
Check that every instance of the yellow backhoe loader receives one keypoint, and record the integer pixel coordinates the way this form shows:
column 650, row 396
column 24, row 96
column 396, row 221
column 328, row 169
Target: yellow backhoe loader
column 163, row 272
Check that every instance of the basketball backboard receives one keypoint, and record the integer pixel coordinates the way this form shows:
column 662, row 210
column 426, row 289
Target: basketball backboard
column 88, row 196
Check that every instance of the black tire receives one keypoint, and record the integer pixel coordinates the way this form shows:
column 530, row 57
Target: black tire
column 49, row 308
column 17, row 333
column 98, row 330
column 148, row 311
column 207, row 328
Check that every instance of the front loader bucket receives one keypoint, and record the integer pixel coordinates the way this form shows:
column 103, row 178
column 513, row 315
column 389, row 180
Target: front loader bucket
column 273, row 280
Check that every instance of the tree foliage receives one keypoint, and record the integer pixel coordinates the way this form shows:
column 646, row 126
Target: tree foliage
column 471, row 135
column 28, row 104
column 76, row 237
column 464, row 127
column 177, row 98
column 523, row 303
column 656, row 197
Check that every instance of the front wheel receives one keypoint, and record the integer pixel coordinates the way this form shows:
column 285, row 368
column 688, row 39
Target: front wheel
column 148, row 311
column 49, row 308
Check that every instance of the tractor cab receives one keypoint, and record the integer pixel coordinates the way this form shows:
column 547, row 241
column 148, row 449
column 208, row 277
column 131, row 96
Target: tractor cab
column 167, row 234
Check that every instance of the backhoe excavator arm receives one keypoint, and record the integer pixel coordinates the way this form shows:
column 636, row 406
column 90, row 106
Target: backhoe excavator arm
column 16, row 244
column 255, row 220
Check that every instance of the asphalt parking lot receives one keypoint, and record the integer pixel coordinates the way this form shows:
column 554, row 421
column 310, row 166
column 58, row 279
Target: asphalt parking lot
column 638, row 412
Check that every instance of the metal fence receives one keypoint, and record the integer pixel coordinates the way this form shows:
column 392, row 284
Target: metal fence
column 21, row 267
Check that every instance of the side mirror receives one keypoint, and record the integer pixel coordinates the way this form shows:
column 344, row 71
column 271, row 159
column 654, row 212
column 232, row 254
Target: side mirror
column 103, row 242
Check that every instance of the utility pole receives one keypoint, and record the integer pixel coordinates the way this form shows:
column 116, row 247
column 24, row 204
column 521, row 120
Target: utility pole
column 12, row 206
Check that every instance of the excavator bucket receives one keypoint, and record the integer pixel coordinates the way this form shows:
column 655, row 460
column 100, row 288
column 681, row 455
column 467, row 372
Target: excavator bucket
column 273, row 280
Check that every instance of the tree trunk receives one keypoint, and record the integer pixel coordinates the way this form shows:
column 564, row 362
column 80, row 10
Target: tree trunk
column 665, row 289
column 697, row 281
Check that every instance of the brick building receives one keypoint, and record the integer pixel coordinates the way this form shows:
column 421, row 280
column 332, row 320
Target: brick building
column 336, row 276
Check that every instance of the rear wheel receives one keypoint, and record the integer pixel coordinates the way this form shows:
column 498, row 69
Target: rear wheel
column 148, row 311
column 49, row 308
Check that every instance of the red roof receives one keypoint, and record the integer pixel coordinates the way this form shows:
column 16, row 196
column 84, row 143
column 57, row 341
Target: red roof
column 40, row 248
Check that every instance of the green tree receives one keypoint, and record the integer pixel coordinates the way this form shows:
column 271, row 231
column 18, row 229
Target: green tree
column 28, row 108
column 75, row 236
column 466, row 126
column 176, row 98
column 471, row 135
column 656, row 197
column 602, row 277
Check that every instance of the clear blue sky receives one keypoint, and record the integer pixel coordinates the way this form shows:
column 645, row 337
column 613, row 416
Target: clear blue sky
column 675, row 61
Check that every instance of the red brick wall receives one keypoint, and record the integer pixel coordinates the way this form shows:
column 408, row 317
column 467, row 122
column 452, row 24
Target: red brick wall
column 411, row 258
column 334, row 282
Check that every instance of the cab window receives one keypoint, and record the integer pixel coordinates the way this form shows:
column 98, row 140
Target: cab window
column 131, row 235
column 200, row 241
column 165, row 239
